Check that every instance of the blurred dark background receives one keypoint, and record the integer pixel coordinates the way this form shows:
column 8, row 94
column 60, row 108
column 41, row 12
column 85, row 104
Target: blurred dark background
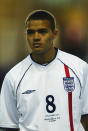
column 72, row 22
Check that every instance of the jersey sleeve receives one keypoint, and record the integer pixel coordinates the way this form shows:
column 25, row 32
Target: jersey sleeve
column 84, row 92
column 8, row 109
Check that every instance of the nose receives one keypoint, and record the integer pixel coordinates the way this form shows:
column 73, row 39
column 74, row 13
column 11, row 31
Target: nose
column 36, row 36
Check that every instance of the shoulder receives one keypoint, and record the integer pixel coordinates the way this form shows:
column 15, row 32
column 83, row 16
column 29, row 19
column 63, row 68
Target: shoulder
column 77, row 65
column 70, row 60
column 20, row 67
column 15, row 74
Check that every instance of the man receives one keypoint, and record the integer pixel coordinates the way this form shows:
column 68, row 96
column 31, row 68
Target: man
column 47, row 91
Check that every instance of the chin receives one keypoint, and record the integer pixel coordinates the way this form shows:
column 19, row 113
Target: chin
column 38, row 51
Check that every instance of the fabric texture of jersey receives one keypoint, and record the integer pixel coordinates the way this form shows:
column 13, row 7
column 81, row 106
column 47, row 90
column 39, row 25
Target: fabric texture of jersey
column 34, row 97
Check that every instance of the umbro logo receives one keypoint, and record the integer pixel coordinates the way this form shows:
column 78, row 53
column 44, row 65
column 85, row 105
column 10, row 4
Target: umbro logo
column 28, row 91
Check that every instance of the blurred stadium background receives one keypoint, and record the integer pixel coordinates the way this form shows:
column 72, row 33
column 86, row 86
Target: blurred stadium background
column 72, row 22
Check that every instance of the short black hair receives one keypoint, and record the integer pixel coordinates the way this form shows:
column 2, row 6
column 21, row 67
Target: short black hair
column 41, row 15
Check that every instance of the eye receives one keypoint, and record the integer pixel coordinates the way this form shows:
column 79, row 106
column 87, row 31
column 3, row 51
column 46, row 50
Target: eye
column 43, row 31
column 30, row 32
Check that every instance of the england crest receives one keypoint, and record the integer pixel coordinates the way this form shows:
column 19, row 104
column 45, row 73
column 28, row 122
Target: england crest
column 69, row 84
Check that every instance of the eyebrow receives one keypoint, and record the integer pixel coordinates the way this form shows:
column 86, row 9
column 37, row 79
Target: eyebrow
column 43, row 29
column 39, row 30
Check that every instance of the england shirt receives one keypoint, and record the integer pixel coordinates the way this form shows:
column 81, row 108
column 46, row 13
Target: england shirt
column 34, row 97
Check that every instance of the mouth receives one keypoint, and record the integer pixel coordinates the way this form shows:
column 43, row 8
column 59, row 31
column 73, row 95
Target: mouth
column 36, row 45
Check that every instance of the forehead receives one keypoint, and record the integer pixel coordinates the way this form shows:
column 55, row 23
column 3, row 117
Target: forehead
column 37, row 24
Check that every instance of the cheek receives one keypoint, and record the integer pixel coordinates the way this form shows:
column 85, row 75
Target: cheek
column 49, row 39
column 29, row 40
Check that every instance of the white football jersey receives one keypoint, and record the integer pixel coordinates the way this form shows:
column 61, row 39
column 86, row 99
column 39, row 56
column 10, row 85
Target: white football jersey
column 34, row 97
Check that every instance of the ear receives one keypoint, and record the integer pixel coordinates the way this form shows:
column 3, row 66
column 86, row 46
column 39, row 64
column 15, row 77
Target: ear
column 56, row 32
column 26, row 37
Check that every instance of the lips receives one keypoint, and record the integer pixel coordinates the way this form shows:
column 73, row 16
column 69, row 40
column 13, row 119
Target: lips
column 36, row 45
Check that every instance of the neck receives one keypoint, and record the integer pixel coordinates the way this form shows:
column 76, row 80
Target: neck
column 44, row 58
